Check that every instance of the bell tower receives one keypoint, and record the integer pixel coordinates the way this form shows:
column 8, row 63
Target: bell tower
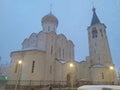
column 98, row 44
column 99, row 51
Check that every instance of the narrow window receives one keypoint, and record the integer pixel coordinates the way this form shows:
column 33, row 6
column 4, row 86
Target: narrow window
column 59, row 52
column 50, row 69
column 102, row 75
column 94, row 33
column 99, row 59
column 16, row 68
column 95, row 44
column 95, row 51
column 105, row 31
column 89, row 36
column 48, row 28
column 51, row 50
column 101, row 32
column 33, row 65
column 91, row 62
column 63, row 53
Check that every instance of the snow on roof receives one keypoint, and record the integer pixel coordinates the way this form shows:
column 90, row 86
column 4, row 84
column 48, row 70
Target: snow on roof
column 32, row 48
column 98, row 65
column 28, row 49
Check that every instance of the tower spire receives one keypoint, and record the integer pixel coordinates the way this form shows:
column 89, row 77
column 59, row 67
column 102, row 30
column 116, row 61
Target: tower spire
column 50, row 8
column 95, row 18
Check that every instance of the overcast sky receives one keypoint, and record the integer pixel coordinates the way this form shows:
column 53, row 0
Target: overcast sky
column 20, row 18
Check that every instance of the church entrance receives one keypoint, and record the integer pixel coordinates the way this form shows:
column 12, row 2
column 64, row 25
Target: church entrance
column 68, row 79
column 32, row 88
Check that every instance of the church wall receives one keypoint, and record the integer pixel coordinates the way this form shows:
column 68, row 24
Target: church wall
column 33, row 40
column 13, row 65
column 30, row 42
column 36, row 71
column 99, row 54
column 77, row 71
column 59, row 73
column 52, row 63
column 50, row 55
column 61, row 47
column 48, row 27
column 65, row 48
column 83, row 71
column 71, row 73
column 25, row 43
column 103, row 75
column 99, row 47
column 41, row 41
column 70, row 50
column 28, row 71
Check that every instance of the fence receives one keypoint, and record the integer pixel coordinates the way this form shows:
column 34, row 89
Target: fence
column 45, row 85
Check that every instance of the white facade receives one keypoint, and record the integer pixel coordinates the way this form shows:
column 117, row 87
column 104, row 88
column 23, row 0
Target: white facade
column 43, row 55
column 47, row 55
column 100, row 57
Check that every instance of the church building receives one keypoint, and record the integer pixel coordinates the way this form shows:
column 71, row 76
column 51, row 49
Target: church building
column 47, row 57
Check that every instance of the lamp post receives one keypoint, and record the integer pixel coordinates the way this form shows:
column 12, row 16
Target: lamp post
column 71, row 67
column 111, row 69
column 19, row 72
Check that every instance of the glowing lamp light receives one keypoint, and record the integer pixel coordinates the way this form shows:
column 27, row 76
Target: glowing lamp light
column 71, row 65
column 5, row 77
column 19, row 62
column 111, row 67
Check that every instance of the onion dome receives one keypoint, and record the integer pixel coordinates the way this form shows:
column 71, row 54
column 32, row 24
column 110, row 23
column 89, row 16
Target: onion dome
column 50, row 18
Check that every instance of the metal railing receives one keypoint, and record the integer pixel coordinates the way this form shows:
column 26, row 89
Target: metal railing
column 45, row 85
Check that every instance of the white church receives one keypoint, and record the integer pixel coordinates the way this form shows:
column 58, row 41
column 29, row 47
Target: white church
column 49, row 57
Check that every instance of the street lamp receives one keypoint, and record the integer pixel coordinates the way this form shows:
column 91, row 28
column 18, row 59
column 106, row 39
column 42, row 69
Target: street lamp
column 19, row 72
column 111, row 69
column 20, row 62
column 71, row 66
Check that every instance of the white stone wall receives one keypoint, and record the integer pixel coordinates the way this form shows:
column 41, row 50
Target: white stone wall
column 99, row 47
column 100, row 55
column 27, row 58
column 48, row 27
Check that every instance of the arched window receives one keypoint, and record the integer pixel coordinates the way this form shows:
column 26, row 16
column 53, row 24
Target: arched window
column 101, row 32
column 102, row 75
column 32, row 89
column 16, row 67
column 50, row 69
column 59, row 52
column 68, row 79
column 51, row 50
column 94, row 32
column 48, row 28
column 63, row 53
column 33, row 65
